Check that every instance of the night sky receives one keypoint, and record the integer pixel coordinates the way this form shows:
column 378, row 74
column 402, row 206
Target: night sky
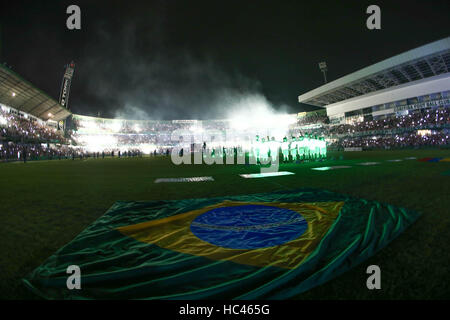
column 192, row 59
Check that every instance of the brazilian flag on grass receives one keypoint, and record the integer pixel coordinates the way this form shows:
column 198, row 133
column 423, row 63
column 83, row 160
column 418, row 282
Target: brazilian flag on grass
column 260, row 246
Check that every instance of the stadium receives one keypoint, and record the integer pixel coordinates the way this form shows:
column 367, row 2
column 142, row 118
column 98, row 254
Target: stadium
column 362, row 180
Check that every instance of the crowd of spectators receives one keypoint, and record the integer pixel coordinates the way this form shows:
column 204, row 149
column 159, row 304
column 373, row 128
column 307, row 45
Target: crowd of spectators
column 22, row 136
column 418, row 119
column 313, row 118
column 17, row 127
column 33, row 151
column 395, row 131
column 85, row 124
column 405, row 140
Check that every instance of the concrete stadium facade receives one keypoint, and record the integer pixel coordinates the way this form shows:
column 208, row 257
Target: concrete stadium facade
column 416, row 79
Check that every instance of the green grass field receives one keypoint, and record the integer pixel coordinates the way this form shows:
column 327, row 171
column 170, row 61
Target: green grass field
column 44, row 205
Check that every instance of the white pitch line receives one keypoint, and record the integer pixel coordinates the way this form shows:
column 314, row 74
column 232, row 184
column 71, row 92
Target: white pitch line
column 266, row 174
column 190, row 179
column 368, row 163
column 330, row 168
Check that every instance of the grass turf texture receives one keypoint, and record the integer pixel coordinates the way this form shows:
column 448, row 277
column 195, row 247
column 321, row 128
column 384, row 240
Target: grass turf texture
column 44, row 205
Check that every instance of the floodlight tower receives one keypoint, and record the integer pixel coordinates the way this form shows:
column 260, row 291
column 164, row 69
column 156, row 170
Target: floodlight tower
column 65, row 90
column 65, row 85
column 324, row 69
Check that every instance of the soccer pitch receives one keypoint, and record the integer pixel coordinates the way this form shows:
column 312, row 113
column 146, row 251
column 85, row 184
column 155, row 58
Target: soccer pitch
column 44, row 205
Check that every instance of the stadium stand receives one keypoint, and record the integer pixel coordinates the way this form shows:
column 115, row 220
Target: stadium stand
column 24, row 136
column 19, row 132
column 401, row 102
column 20, row 94
column 29, row 121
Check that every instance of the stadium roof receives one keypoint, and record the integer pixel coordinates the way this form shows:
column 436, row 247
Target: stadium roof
column 420, row 63
column 20, row 94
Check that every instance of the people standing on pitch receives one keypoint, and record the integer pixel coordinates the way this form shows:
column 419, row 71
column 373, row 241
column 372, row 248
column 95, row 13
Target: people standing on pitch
column 285, row 149
column 301, row 148
column 219, row 153
column 273, row 147
column 256, row 148
column 312, row 147
column 264, row 151
column 307, row 147
column 316, row 147
column 238, row 151
column 293, row 149
column 323, row 147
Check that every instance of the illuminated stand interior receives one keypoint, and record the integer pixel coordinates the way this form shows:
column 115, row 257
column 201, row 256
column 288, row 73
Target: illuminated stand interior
column 219, row 139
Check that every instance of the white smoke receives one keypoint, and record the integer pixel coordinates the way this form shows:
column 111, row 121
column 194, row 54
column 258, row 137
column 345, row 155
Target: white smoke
column 162, row 85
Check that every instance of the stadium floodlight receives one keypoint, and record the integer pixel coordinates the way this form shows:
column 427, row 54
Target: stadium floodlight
column 97, row 143
column 115, row 126
column 50, row 115
column 13, row 94
column 197, row 129
column 147, row 148
column 324, row 69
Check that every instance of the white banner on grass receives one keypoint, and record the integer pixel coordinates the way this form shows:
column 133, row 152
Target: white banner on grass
column 190, row 179
column 330, row 168
column 265, row 174
column 368, row 163
column 353, row 149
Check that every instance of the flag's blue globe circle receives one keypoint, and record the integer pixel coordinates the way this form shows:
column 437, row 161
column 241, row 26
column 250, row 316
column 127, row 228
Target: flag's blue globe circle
column 249, row 226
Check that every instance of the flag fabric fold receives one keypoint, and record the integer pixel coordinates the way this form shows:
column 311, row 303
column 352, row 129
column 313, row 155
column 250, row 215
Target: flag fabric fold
column 259, row 246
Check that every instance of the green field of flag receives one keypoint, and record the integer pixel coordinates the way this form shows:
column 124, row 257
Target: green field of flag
column 260, row 246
